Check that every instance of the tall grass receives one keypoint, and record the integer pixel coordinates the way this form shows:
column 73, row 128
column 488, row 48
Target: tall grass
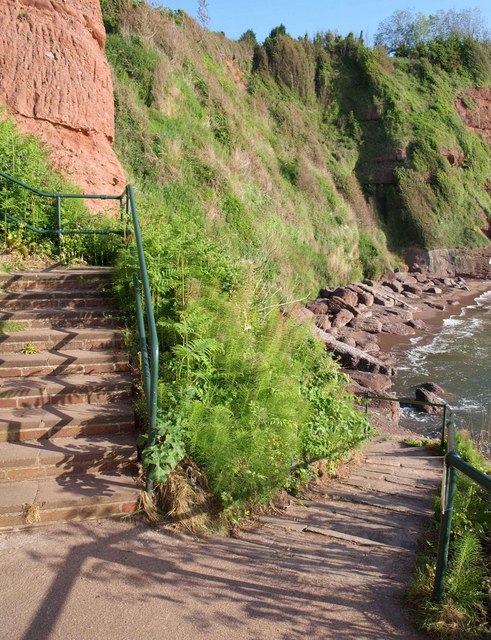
column 23, row 158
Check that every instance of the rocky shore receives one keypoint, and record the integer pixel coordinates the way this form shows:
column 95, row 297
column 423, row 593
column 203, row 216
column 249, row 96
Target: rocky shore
column 359, row 323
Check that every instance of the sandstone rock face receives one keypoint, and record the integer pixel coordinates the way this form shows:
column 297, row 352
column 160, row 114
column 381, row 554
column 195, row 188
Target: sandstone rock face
column 56, row 81
column 478, row 116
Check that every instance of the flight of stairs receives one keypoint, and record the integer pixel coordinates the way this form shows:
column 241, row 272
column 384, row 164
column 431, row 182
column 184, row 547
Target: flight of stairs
column 67, row 442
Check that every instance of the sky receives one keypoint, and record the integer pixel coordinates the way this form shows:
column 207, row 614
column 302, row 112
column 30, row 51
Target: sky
column 310, row 16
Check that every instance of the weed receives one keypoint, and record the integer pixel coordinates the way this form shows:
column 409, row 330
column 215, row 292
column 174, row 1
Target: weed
column 10, row 326
column 29, row 349
column 31, row 512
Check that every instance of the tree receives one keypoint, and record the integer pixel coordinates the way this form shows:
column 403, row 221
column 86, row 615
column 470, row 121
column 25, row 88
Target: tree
column 249, row 37
column 203, row 15
column 404, row 32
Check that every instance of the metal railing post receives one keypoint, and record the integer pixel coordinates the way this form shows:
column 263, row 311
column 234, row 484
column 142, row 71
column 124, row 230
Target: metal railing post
column 444, row 536
column 444, row 424
column 129, row 219
column 58, row 215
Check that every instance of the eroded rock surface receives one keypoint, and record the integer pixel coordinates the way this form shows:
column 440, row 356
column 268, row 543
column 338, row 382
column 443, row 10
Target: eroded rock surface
column 56, row 81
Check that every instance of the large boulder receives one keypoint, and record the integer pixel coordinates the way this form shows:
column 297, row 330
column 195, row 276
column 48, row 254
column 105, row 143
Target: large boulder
column 375, row 382
column 323, row 322
column 56, row 81
column 302, row 315
column 370, row 325
column 318, row 307
column 348, row 296
column 342, row 318
column 351, row 357
column 396, row 328
column 424, row 395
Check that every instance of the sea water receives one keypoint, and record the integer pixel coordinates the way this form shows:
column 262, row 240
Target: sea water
column 457, row 356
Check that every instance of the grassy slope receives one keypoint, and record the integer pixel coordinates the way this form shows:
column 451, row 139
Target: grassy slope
column 252, row 169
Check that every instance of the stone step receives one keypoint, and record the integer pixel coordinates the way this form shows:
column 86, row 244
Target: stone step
column 82, row 278
column 86, row 339
column 41, row 501
column 97, row 388
column 62, row 456
column 55, row 318
column 57, row 421
column 65, row 362
column 58, row 300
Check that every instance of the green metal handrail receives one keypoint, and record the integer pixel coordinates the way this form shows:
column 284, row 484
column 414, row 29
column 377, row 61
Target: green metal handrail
column 149, row 346
column 59, row 197
column 453, row 462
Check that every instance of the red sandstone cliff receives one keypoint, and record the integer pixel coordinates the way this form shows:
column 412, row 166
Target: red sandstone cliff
column 56, row 81
column 476, row 112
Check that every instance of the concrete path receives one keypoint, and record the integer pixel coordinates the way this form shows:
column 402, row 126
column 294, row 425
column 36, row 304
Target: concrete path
column 331, row 566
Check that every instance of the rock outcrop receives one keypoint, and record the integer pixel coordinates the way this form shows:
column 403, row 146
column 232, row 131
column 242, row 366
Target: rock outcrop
column 475, row 110
column 56, row 81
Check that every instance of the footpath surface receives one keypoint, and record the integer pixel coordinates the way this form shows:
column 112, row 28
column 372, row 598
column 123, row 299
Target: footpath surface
column 330, row 566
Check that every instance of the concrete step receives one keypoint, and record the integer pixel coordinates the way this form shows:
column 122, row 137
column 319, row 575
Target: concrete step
column 48, row 339
column 55, row 318
column 64, row 456
column 33, row 391
column 41, row 501
column 88, row 317
column 56, row 300
column 64, row 362
column 58, row 421
column 55, row 278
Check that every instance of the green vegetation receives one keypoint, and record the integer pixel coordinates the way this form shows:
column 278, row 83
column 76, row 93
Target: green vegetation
column 10, row 326
column 244, row 392
column 262, row 173
column 23, row 158
column 257, row 173
column 463, row 612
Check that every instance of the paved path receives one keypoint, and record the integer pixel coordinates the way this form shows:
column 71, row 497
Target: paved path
column 333, row 566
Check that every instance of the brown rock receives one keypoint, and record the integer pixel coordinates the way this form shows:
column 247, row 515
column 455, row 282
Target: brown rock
column 397, row 328
column 301, row 315
column 440, row 306
column 57, row 82
column 418, row 324
column 342, row 318
column 435, row 290
column 364, row 297
column 376, row 382
column 352, row 357
column 404, row 315
column 428, row 396
column 348, row 296
column 413, row 288
column 371, row 325
column 318, row 308
column 382, row 300
column 323, row 322
column 348, row 340
column 395, row 285
column 432, row 387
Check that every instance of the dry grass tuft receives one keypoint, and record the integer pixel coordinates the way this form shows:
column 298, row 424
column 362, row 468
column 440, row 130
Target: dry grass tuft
column 187, row 501
column 31, row 512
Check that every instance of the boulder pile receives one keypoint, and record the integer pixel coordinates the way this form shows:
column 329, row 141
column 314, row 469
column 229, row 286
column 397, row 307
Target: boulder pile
column 349, row 320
